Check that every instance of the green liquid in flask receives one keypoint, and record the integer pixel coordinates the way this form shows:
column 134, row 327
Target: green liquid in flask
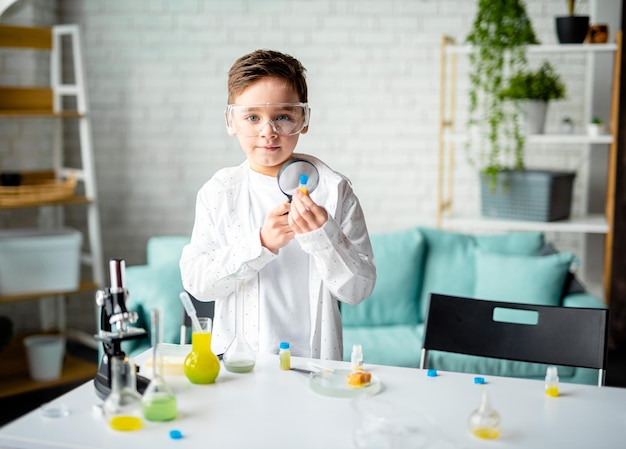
column 240, row 366
column 160, row 407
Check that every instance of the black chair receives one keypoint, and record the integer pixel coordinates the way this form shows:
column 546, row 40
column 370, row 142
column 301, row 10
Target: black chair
column 552, row 335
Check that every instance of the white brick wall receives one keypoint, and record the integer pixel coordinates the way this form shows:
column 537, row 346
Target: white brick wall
column 156, row 73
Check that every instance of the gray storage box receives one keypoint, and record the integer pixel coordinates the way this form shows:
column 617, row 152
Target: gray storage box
column 534, row 195
column 39, row 260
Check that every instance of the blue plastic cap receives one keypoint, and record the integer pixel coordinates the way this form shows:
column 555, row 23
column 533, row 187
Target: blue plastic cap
column 431, row 373
column 176, row 434
column 479, row 380
column 304, row 178
column 284, row 345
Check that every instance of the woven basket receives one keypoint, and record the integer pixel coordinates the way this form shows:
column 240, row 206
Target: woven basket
column 37, row 188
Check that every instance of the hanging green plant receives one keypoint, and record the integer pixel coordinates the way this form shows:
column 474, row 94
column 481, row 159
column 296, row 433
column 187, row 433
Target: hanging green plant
column 499, row 35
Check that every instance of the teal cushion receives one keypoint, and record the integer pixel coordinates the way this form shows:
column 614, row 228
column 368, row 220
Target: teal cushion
column 386, row 345
column 151, row 287
column 165, row 250
column 462, row 363
column 399, row 257
column 450, row 261
column 449, row 266
column 521, row 279
column 514, row 243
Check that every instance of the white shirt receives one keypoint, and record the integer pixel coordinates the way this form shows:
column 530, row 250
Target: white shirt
column 282, row 304
column 224, row 245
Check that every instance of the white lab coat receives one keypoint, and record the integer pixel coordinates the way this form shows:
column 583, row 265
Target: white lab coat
column 224, row 247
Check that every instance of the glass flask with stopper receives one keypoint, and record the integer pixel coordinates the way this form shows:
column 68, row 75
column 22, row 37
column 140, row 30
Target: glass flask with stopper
column 158, row 401
column 239, row 356
column 122, row 407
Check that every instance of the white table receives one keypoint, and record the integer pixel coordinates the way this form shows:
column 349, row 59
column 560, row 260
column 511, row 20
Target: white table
column 274, row 408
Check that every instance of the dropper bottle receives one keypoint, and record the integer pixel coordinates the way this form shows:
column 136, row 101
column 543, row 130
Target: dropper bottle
column 356, row 358
column 552, row 382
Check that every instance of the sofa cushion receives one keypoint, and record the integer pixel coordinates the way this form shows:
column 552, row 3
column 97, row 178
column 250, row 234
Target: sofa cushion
column 399, row 258
column 151, row 287
column 521, row 279
column 462, row 363
column 165, row 250
column 449, row 268
column 398, row 345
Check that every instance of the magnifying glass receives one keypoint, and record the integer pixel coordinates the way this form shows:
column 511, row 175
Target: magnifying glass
column 292, row 172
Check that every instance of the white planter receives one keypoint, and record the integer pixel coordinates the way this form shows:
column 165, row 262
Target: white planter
column 536, row 116
column 594, row 129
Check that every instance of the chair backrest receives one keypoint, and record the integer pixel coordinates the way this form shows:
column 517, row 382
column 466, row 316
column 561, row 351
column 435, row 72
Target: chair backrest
column 553, row 335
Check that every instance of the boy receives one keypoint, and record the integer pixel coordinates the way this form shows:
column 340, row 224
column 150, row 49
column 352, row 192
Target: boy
column 298, row 258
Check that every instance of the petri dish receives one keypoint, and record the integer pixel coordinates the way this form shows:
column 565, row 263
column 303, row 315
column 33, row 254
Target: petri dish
column 54, row 410
column 335, row 383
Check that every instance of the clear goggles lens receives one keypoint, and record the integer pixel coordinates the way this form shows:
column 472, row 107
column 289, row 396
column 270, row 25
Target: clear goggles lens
column 286, row 119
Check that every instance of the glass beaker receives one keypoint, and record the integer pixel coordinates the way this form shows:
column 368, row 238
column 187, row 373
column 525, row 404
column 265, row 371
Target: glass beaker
column 158, row 401
column 239, row 356
column 201, row 365
column 122, row 408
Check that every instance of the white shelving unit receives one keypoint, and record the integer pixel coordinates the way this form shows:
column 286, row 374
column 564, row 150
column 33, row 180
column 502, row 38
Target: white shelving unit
column 60, row 102
column 450, row 137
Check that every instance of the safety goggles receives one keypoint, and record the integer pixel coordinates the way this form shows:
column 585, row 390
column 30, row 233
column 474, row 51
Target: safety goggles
column 286, row 119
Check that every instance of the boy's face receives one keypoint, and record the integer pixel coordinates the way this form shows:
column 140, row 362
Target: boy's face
column 268, row 150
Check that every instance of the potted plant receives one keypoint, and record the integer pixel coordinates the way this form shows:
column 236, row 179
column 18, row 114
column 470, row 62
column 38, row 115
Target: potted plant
column 595, row 127
column 572, row 29
column 536, row 89
column 499, row 36
column 567, row 125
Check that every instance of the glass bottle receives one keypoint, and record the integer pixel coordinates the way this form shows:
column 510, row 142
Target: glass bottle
column 552, row 382
column 158, row 401
column 356, row 358
column 484, row 422
column 284, row 355
column 122, row 408
column 239, row 356
column 201, row 365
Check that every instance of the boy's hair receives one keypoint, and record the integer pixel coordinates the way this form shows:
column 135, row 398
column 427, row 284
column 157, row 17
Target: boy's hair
column 263, row 63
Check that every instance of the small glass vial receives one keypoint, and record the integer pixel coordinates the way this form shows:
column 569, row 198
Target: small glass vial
column 484, row 422
column 552, row 382
column 356, row 359
column 284, row 355
column 304, row 178
column 122, row 408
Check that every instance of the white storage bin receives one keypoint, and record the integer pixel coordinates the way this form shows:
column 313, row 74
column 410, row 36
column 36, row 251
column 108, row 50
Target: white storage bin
column 39, row 260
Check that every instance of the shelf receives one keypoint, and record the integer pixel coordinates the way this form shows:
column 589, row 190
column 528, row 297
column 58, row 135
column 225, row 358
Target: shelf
column 14, row 377
column 69, row 201
column 85, row 286
column 592, row 224
column 565, row 139
column 550, row 48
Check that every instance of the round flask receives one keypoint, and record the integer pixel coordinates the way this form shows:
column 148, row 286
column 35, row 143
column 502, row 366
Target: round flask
column 201, row 365
column 484, row 422
column 239, row 356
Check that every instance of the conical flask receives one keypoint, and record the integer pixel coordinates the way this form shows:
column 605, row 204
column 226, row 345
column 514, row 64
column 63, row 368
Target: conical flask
column 158, row 401
column 122, row 407
column 239, row 356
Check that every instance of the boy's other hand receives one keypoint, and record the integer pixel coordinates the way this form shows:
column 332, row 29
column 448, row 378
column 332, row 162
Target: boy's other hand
column 276, row 231
column 305, row 215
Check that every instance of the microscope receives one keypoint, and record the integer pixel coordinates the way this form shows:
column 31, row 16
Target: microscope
column 115, row 326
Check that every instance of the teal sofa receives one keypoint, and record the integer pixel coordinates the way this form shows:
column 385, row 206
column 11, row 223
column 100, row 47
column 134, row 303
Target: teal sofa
column 411, row 264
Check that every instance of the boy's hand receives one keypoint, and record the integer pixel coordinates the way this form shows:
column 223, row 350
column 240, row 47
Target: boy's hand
column 305, row 215
column 276, row 231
